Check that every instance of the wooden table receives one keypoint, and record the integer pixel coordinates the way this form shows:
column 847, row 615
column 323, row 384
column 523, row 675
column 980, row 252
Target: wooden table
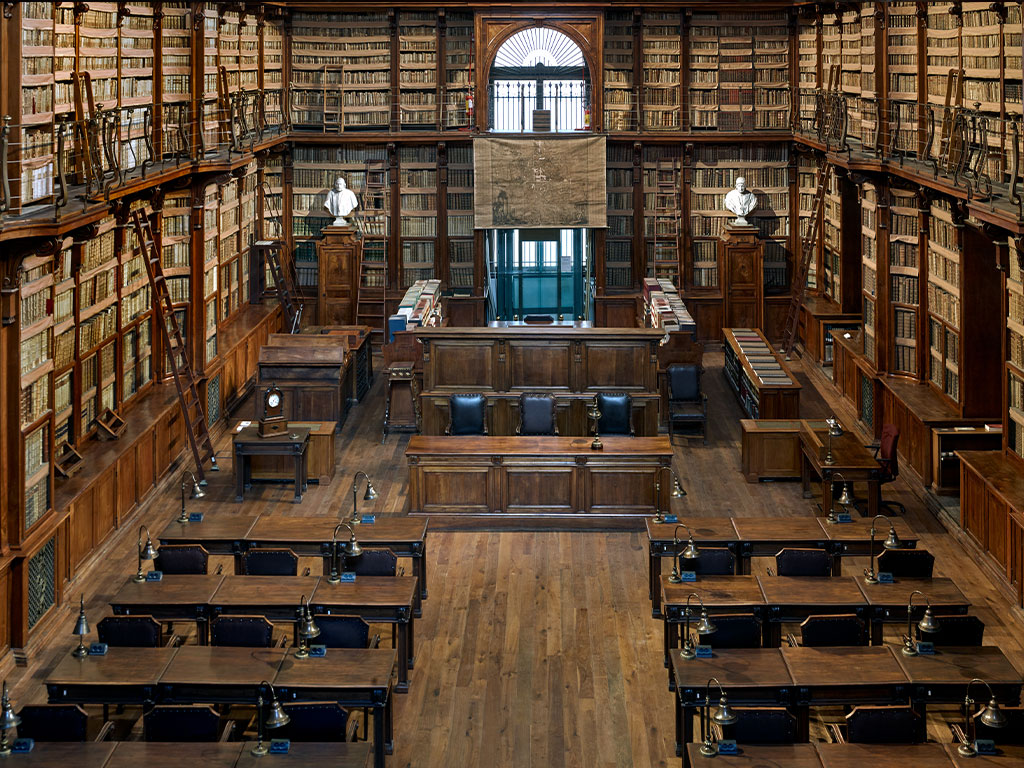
column 823, row 755
column 944, row 676
column 888, row 602
column 852, row 460
column 228, row 534
column 201, row 674
column 57, row 754
column 883, row 755
column 231, row 754
column 173, row 598
column 292, row 443
column 320, row 462
column 764, row 537
column 1009, row 756
column 537, row 477
column 757, row 756
column 200, row 598
column 794, row 598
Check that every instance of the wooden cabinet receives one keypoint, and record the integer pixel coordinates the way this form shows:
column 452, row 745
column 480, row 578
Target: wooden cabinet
column 759, row 377
column 741, row 254
column 770, row 448
column 314, row 374
column 337, row 254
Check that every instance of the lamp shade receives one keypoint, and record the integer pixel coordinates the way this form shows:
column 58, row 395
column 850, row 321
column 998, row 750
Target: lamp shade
column 81, row 623
column 690, row 552
column 371, row 492
column 8, row 719
column 892, row 541
column 148, row 551
column 677, row 489
column 928, row 622
column 307, row 627
column 992, row 715
column 704, row 625
column 197, row 491
column 724, row 714
column 844, row 497
column 353, row 547
column 276, row 716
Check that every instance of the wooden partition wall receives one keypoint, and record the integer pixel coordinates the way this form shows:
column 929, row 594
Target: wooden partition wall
column 573, row 363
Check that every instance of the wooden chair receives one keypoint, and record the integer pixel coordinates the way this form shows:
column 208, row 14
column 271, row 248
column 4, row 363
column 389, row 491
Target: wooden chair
column 346, row 632
column 1011, row 733
column 734, row 630
column 242, row 631
column 467, row 414
column 130, row 632
column 189, row 559
column 536, row 414
column 823, row 631
column 318, row 721
column 687, row 404
column 879, row 725
column 955, row 630
column 616, row 409
column 800, row 561
column 269, row 562
column 191, row 723
column 59, row 722
column 908, row 563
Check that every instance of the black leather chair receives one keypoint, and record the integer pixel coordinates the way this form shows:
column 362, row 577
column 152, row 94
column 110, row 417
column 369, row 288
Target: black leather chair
column 884, row 725
column 687, row 404
column 889, row 463
column 467, row 414
column 536, row 414
column 189, row 559
column 908, row 563
column 337, row 631
column 372, row 562
column 242, row 631
column 173, row 722
column 58, row 722
column 130, row 632
column 799, row 561
column 762, row 725
column 841, row 629
column 317, row 721
column 269, row 562
column 713, row 561
column 734, row 630
column 616, row 410
column 1011, row 733
column 955, row 630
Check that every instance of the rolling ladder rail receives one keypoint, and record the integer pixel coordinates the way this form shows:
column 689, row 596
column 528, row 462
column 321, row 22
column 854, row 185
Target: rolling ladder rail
column 371, row 285
column 808, row 245
column 184, row 377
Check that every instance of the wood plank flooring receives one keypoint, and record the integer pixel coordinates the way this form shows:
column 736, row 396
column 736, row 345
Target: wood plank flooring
column 535, row 648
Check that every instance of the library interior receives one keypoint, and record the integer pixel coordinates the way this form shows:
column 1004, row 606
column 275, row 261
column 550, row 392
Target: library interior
column 720, row 299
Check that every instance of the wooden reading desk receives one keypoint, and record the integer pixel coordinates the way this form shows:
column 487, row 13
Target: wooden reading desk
column 292, row 443
column 231, row 534
column 855, row 462
column 536, row 477
column 823, row 755
column 235, row 754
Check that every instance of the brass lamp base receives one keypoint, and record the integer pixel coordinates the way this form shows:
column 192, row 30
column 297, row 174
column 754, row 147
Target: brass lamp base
column 870, row 577
column 909, row 649
column 688, row 651
column 709, row 749
column 81, row 651
column 597, row 445
column 967, row 750
column 259, row 750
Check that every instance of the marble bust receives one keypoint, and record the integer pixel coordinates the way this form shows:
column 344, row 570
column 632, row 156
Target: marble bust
column 741, row 201
column 341, row 201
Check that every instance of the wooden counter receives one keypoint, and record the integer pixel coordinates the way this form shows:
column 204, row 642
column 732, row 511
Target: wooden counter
column 759, row 377
column 536, row 477
column 320, row 454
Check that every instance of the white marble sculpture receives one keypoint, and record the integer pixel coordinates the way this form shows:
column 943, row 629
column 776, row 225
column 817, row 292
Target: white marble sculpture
column 741, row 201
column 341, row 201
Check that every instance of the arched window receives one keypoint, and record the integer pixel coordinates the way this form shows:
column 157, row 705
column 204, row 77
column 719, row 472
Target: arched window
column 539, row 83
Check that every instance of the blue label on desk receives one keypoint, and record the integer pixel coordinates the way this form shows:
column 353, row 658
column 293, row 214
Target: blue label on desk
column 687, row 575
column 195, row 517
column 22, row 746
column 671, row 518
column 884, row 577
column 924, row 648
column 155, row 576
column 348, row 576
column 844, row 517
column 317, row 651
column 703, row 651
column 985, row 746
column 368, row 519
column 279, row 746
column 728, row 747
column 98, row 649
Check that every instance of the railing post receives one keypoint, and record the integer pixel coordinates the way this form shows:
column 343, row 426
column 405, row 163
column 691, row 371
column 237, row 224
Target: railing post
column 5, row 182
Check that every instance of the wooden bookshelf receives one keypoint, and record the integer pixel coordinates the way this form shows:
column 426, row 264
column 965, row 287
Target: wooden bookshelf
column 662, row 207
column 176, row 75
column 458, row 70
column 901, row 21
column 620, row 95
column 944, row 254
column 850, row 63
column 807, row 39
column 212, row 120
column 272, row 72
column 64, row 305
column 869, row 68
column 459, row 217
column 135, row 321
column 661, row 48
column 211, row 268
column 1014, row 419
column 417, row 167
column 618, row 249
column 869, row 268
column 806, row 183
column 417, row 69
column 904, row 281
column 759, row 377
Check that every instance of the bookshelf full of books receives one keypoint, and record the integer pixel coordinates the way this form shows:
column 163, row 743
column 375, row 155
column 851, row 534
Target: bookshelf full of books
column 98, row 52
column 1015, row 349
column 211, row 123
column 248, row 192
column 248, row 59
column 36, row 335
column 64, row 308
column 942, row 49
column 229, row 226
column 273, row 197
column 96, row 322
column 176, row 74
column 901, row 48
column 211, row 270
column 850, row 67
column 619, row 87
column 229, row 50
column 869, row 268
column 662, row 210
column 417, row 69
column 37, row 100
column 137, row 68
column 904, row 280
column 458, row 70
column 661, row 47
column 273, row 72
column 765, row 167
column 341, row 70
column 417, row 173
column 134, row 322
column 807, row 166
column 832, row 258
column 867, row 98
column 739, row 71
column 460, row 217
column 944, row 256
column 618, row 248
column 807, row 70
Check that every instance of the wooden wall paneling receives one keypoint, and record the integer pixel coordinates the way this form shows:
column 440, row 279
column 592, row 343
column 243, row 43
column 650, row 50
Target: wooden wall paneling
column 6, row 583
column 127, row 483
column 539, row 364
column 104, row 506
column 615, row 311
column 79, row 531
column 1015, row 554
column 142, row 466
column 533, row 490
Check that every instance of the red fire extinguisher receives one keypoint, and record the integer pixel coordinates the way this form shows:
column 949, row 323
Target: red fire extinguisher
column 469, row 107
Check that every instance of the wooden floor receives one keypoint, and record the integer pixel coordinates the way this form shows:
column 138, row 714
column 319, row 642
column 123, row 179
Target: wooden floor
column 535, row 648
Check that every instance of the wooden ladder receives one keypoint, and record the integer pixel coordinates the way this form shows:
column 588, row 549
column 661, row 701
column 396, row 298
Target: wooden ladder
column 283, row 283
column 666, row 222
column 184, row 377
column 808, row 246
column 371, row 287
